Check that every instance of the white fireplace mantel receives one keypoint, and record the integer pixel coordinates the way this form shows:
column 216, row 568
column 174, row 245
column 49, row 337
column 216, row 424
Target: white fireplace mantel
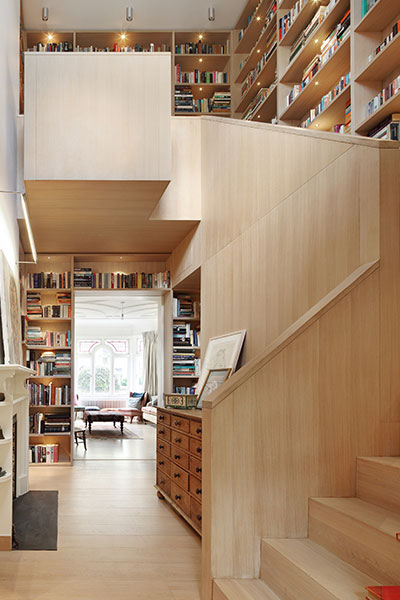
column 13, row 403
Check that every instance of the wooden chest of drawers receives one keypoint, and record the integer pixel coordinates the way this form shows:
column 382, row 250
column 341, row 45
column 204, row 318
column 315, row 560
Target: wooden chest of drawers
column 179, row 470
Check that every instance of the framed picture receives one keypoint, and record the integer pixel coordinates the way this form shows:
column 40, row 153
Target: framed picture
column 214, row 379
column 10, row 314
column 222, row 353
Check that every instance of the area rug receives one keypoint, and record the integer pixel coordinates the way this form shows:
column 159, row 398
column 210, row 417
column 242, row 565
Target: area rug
column 36, row 521
column 107, row 431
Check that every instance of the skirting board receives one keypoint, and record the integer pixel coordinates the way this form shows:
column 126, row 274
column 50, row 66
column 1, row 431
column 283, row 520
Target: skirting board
column 5, row 542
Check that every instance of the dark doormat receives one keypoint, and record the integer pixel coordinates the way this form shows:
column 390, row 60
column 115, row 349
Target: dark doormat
column 36, row 521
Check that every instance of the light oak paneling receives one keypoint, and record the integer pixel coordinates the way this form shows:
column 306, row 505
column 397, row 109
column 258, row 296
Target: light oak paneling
column 186, row 258
column 98, row 116
column 378, row 481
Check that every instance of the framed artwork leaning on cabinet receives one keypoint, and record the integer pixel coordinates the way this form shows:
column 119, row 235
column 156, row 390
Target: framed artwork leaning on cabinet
column 222, row 353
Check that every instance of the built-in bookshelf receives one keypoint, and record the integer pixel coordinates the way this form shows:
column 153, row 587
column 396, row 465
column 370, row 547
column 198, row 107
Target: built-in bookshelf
column 47, row 331
column 186, row 342
column 335, row 68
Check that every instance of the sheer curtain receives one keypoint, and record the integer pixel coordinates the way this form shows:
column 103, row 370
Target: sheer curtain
column 150, row 339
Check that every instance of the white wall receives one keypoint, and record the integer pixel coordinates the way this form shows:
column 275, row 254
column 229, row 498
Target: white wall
column 9, row 107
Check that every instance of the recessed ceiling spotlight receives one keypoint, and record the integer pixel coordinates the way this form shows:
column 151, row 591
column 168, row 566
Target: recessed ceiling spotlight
column 49, row 37
column 129, row 13
column 211, row 13
column 45, row 13
column 123, row 36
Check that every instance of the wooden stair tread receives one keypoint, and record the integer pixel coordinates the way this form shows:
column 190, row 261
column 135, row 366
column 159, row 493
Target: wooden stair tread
column 244, row 589
column 384, row 520
column 341, row 580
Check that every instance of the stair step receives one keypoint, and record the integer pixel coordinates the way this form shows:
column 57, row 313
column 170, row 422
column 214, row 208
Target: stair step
column 359, row 533
column 302, row 569
column 378, row 481
column 242, row 589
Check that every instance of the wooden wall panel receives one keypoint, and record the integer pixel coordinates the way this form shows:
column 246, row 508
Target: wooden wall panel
column 94, row 116
column 186, row 257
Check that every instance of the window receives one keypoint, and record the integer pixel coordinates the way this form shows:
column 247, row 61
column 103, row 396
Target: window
column 103, row 367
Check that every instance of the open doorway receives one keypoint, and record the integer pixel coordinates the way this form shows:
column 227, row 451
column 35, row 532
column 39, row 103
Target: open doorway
column 118, row 370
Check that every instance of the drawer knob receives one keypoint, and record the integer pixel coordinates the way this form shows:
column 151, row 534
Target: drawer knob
column 162, row 431
column 198, row 491
column 161, row 418
column 198, row 469
column 177, row 497
column 177, row 456
column 161, row 446
column 178, row 423
column 162, row 482
column 178, row 440
column 198, row 449
column 199, row 517
column 160, row 462
column 177, row 475
column 198, row 430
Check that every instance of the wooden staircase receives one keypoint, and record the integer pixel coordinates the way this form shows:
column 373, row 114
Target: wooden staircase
column 352, row 544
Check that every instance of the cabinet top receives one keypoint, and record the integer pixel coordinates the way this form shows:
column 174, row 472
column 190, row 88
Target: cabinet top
column 193, row 413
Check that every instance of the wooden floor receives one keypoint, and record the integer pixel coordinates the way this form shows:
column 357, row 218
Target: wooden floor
column 117, row 540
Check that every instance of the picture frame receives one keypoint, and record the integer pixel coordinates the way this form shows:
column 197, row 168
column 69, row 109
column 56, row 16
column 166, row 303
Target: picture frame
column 10, row 314
column 222, row 352
column 214, row 379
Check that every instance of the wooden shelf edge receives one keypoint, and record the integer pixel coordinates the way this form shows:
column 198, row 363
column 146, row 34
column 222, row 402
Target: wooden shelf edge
column 370, row 23
column 242, row 73
column 178, row 509
column 245, row 100
column 379, row 58
column 344, row 94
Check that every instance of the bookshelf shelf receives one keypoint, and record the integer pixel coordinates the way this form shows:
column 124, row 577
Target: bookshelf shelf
column 267, row 110
column 186, row 347
column 50, row 377
column 301, row 21
column 48, row 319
column 295, row 69
column 187, row 319
column 185, row 376
column 380, row 15
column 253, row 30
column 48, row 290
column 383, row 64
column 286, row 4
column 324, row 80
column 46, row 347
column 47, row 406
column 40, row 435
column 60, row 463
column 203, row 114
column 206, row 62
column 256, row 52
column 391, row 106
column 263, row 79
column 334, row 113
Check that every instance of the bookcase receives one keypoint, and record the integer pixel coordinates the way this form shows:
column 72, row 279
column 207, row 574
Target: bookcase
column 47, row 327
column 330, row 65
column 200, row 61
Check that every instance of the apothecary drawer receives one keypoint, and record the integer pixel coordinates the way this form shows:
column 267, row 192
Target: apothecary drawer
column 195, row 447
column 195, row 487
column 163, row 447
column 195, row 512
column 181, row 498
column 163, row 418
column 195, row 466
column 164, row 464
column 180, row 457
column 163, row 432
column 180, row 477
column 180, row 423
column 180, row 439
column 196, row 428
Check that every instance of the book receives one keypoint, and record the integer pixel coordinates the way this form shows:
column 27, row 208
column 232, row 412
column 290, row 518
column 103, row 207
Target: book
column 44, row 453
column 385, row 592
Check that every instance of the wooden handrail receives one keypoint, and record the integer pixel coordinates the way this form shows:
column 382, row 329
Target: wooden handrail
column 305, row 321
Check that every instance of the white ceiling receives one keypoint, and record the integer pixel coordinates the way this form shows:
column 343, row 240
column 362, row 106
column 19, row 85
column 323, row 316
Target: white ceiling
column 148, row 14
column 107, row 306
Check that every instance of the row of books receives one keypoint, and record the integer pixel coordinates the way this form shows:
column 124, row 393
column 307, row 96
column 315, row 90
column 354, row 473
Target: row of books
column 49, row 364
column 181, row 389
column 197, row 76
column 287, row 20
column 268, row 18
column 366, row 5
column 326, row 100
column 257, row 102
column 383, row 96
column 249, row 20
column 85, row 278
column 125, row 48
column 42, row 424
column 307, row 33
column 270, row 47
column 49, row 280
column 49, row 395
column 389, row 129
column 36, row 337
column 346, row 126
column 185, row 306
column 185, row 103
column 202, row 48
column 183, row 335
column 44, row 453
column 189, row 367
column 386, row 41
column 52, row 47
column 34, row 308
column 328, row 47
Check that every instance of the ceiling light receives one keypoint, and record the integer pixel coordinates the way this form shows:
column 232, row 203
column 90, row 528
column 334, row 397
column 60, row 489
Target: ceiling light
column 45, row 13
column 201, row 89
column 200, row 36
column 316, row 83
column 258, row 18
column 123, row 36
column 200, row 60
column 49, row 37
column 211, row 13
column 129, row 13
